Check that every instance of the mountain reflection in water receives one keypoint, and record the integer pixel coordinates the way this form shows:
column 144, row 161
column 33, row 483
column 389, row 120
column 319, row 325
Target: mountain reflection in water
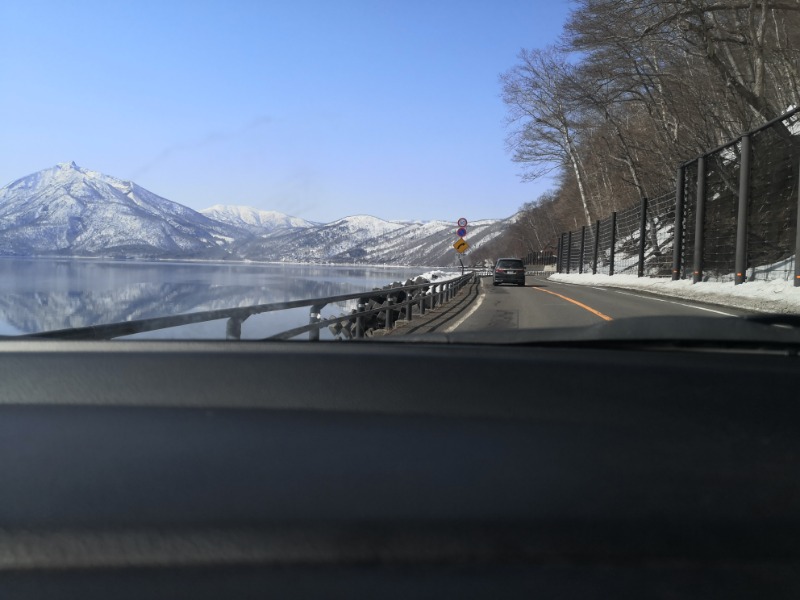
column 46, row 294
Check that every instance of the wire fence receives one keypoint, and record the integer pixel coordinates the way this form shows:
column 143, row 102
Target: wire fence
column 603, row 263
column 733, row 216
column 540, row 261
column 627, row 248
column 772, row 206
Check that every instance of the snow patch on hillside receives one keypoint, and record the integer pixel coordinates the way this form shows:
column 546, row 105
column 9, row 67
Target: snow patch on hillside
column 253, row 217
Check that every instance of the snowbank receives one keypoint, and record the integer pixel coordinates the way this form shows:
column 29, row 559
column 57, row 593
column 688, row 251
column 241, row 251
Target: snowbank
column 761, row 296
column 439, row 275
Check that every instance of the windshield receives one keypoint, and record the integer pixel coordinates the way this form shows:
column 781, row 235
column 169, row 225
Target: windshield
column 338, row 171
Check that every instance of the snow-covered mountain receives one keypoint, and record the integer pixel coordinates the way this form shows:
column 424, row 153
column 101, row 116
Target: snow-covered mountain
column 321, row 243
column 369, row 240
column 68, row 210
column 254, row 219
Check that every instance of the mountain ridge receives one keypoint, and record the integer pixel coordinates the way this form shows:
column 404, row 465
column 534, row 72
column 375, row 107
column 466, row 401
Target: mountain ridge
column 69, row 210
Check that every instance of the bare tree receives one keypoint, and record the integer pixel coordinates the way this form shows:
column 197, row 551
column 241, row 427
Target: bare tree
column 638, row 87
column 543, row 116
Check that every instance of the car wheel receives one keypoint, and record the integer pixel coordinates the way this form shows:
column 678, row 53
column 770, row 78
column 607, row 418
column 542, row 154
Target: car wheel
column 495, row 283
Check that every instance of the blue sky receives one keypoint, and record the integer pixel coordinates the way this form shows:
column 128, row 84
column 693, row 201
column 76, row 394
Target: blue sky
column 313, row 108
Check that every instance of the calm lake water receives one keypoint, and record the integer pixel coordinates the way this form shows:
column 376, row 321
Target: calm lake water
column 46, row 294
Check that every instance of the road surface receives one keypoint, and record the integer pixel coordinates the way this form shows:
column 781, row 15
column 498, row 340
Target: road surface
column 545, row 303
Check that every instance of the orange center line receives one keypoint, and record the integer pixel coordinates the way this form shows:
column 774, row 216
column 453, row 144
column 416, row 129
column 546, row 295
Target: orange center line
column 583, row 306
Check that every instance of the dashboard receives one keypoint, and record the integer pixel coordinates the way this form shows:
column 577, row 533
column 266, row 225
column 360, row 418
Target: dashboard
column 396, row 470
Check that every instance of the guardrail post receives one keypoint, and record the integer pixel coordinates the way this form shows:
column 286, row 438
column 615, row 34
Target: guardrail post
column 233, row 328
column 613, row 242
column 314, row 318
column 642, row 237
column 422, row 300
column 389, row 317
column 741, row 218
column 583, row 248
column 697, row 271
column 569, row 251
column 677, row 232
column 360, row 320
column 596, row 249
column 409, row 305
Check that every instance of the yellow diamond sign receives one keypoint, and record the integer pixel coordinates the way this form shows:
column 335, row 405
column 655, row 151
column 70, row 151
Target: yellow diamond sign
column 461, row 246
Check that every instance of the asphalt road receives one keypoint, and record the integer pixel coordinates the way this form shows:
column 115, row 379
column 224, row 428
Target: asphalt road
column 544, row 303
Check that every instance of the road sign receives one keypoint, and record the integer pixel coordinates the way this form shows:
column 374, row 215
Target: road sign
column 461, row 246
column 461, row 232
column 462, row 222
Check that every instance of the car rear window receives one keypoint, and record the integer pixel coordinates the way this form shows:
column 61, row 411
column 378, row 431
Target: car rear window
column 509, row 264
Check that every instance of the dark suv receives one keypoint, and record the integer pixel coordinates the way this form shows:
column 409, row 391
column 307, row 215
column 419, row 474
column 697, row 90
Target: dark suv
column 509, row 270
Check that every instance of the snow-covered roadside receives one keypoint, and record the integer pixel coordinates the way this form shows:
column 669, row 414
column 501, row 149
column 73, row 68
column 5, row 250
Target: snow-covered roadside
column 762, row 296
column 439, row 275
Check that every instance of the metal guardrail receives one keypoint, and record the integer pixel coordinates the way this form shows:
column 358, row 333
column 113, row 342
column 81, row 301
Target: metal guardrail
column 415, row 296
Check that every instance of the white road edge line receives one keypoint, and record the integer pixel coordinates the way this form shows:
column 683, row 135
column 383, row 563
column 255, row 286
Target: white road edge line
column 469, row 313
column 711, row 310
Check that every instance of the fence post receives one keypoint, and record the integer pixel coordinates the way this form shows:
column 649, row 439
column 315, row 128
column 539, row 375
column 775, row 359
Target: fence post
column 360, row 320
column 409, row 305
column 613, row 242
column 741, row 219
column 559, row 252
column 697, row 271
column 389, row 316
column 677, row 233
column 583, row 248
column 314, row 317
column 596, row 249
column 569, row 251
column 642, row 237
column 797, row 239
column 233, row 329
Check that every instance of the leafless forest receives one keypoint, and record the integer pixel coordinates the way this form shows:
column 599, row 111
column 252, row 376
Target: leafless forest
column 633, row 90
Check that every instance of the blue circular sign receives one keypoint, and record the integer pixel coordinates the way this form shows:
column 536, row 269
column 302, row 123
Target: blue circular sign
column 461, row 232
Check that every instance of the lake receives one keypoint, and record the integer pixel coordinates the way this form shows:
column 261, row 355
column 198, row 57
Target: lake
column 38, row 294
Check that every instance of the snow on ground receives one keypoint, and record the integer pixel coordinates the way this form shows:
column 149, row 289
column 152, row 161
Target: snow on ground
column 439, row 275
column 761, row 296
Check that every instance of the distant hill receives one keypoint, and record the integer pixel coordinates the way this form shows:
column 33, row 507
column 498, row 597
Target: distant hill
column 254, row 219
column 69, row 210
column 75, row 211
